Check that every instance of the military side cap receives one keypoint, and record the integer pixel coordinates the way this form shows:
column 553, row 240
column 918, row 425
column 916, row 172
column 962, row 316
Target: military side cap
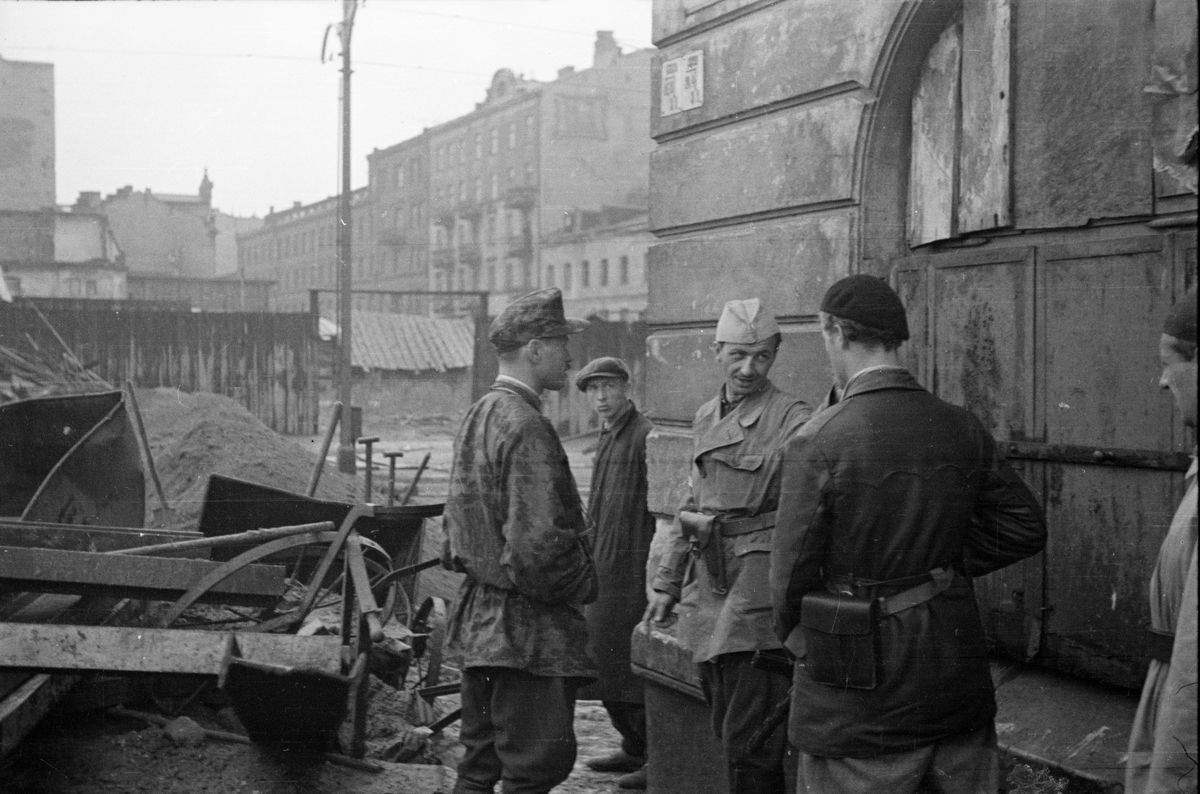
column 745, row 322
column 869, row 301
column 1181, row 322
column 538, row 314
column 603, row 367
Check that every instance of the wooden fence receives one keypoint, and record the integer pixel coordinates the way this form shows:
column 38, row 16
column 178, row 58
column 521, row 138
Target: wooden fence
column 265, row 361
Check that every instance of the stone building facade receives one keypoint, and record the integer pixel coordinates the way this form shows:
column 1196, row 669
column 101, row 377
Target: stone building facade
column 27, row 171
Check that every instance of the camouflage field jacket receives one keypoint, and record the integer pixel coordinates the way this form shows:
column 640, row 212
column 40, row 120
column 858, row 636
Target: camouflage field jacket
column 515, row 525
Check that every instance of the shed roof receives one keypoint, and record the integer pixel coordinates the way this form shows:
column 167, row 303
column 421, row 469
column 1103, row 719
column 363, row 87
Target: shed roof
column 410, row 342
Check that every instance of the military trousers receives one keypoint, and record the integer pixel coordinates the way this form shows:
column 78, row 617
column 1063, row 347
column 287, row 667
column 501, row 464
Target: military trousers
column 740, row 697
column 630, row 721
column 517, row 730
column 959, row 765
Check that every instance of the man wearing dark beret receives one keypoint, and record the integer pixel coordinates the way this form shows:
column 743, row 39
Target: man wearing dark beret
column 624, row 529
column 1162, row 743
column 515, row 526
column 891, row 501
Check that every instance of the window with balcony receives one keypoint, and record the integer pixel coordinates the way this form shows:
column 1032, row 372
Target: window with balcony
column 585, row 275
column 624, row 275
column 604, row 272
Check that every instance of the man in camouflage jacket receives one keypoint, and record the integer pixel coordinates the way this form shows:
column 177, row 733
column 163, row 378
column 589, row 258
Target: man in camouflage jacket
column 516, row 527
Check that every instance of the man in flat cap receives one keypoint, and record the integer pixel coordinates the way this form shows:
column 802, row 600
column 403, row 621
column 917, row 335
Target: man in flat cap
column 891, row 501
column 515, row 526
column 721, row 538
column 624, row 529
column 1162, row 743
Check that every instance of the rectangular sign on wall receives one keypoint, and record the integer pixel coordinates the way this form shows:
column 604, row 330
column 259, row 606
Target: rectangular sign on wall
column 682, row 83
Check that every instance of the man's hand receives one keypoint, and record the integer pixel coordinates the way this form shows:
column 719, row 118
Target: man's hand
column 660, row 610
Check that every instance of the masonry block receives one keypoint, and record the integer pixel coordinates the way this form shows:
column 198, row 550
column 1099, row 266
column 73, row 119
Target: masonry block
column 788, row 263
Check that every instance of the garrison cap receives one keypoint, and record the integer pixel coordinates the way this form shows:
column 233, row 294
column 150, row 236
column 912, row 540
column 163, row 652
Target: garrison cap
column 603, row 367
column 538, row 314
column 746, row 322
column 869, row 301
column 1181, row 321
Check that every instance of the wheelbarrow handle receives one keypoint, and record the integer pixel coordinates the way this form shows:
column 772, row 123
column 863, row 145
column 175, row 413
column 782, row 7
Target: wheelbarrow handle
column 362, row 586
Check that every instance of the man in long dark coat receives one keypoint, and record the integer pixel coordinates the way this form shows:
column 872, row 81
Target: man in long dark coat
column 624, row 529
column 516, row 527
column 891, row 500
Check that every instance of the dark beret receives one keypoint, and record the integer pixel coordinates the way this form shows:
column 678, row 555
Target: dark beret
column 869, row 301
column 603, row 367
column 1181, row 321
column 536, row 315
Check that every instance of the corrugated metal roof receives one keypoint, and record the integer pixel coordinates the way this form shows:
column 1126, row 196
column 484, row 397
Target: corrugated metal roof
column 412, row 343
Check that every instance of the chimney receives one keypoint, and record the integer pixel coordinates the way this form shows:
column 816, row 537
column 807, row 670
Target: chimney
column 607, row 52
column 566, row 72
column 88, row 201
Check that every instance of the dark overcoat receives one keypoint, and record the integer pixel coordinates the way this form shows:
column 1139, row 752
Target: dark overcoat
column 892, row 482
column 515, row 525
column 624, row 528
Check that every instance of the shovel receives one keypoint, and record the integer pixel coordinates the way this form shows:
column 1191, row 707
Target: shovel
column 163, row 516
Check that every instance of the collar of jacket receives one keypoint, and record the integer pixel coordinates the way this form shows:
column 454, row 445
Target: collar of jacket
column 717, row 431
column 514, row 386
column 877, row 379
column 621, row 421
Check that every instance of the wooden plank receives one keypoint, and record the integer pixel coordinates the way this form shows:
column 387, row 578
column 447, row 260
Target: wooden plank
column 155, row 578
column 933, row 176
column 1083, row 149
column 21, row 711
column 134, row 649
column 74, row 537
column 985, row 189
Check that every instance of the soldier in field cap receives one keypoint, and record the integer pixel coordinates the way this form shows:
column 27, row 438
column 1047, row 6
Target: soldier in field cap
column 891, row 500
column 716, row 562
column 1162, row 743
column 515, row 526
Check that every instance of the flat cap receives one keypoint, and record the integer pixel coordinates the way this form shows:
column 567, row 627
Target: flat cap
column 745, row 322
column 538, row 314
column 867, row 300
column 1181, row 321
column 603, row 367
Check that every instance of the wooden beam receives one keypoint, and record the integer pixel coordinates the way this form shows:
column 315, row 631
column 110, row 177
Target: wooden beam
column 76, row 537
column 133, row 649
column 153, row 578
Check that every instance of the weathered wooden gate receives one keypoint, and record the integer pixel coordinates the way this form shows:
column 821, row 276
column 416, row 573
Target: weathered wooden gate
column 1053, row 347
column 266, row 361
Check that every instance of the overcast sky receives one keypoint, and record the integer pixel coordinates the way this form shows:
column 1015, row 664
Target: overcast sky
column 149, row 94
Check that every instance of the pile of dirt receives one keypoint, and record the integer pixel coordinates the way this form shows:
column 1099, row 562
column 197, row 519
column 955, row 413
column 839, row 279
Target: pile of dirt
column 194, row 435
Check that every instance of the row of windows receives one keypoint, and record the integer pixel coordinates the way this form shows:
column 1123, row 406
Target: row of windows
column 604, row 277
column 475, row 144
column 478, row 188
column 297, row 243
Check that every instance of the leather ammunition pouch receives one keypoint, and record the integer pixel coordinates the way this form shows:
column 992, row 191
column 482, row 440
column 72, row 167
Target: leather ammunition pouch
column 841, row 639
column 702, row 531
column 841, row 630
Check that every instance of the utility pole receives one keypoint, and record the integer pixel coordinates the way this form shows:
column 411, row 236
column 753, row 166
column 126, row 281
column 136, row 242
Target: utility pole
column 345, row 228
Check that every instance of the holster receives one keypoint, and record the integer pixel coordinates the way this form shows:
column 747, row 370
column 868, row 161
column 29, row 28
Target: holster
column 841, row 639
column 704, row 533
column 773, row 660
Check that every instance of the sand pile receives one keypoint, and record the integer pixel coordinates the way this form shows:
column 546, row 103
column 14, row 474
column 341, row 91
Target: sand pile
column 195, row 435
